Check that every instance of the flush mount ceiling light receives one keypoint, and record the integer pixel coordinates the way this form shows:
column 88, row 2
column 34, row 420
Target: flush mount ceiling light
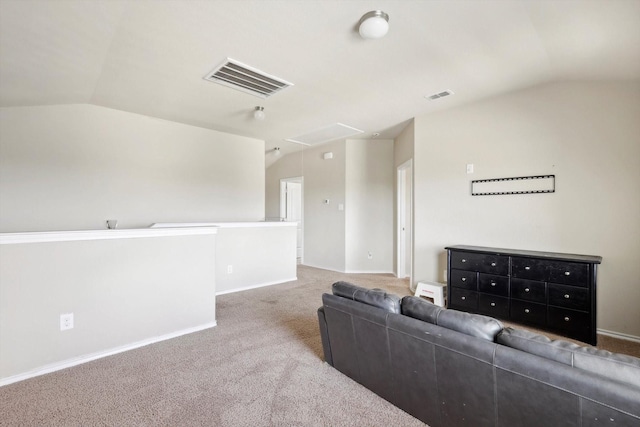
column 258, row 114
column 373, row 25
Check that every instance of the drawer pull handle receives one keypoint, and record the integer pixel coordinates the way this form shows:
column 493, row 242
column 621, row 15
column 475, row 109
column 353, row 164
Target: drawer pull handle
column 567, row 273
column 464, row 279
column 527, row 289
column 527, row 268
column 464, row 260
column 463, row 298
column 566, row 318
column 526, row 310
column 493, row 264
column 567, row 296
column 493, row 304
column 493, row 283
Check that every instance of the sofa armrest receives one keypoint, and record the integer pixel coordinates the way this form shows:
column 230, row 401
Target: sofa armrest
column 324, row 335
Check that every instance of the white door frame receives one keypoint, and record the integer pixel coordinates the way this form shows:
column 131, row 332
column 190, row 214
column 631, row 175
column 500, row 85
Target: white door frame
column 283, row 208
column 405, row 221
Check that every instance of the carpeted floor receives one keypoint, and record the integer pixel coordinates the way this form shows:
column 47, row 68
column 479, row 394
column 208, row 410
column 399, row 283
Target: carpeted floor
column 261, row 366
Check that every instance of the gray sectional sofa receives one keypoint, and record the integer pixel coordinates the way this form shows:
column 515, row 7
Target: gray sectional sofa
column 451, row 368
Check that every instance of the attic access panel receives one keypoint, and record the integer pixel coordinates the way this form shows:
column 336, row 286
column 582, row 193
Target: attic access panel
column 517, row 185
column 325, row 134
column 236, row 75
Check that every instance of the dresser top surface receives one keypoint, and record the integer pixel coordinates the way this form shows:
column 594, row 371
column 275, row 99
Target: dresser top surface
column 592, row 259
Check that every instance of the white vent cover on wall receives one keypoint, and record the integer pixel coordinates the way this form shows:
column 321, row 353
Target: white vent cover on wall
column 439, row 95
column 325, row 134
column 242, row 77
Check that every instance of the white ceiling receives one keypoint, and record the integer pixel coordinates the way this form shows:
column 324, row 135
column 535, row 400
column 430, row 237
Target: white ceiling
column 150, row 57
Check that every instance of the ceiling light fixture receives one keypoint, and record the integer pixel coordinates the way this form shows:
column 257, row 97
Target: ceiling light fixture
column 258, row 114
column 373, row 25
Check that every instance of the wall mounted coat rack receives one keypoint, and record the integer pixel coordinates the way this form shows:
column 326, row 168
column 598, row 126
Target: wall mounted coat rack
column 516, row 185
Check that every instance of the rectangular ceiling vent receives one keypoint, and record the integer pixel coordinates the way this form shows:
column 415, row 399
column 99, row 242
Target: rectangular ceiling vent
column 325, row 134
column 439, row 95
column 242, row 77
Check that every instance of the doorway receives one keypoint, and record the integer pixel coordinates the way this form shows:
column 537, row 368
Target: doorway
column 291, row 209
column 405, row 223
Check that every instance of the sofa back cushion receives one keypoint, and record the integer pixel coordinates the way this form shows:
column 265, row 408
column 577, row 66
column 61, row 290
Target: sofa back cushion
column 345, row 289
column 420, row 309
column 374, row 297
column 611, row 365
column 618, row 367
column 475, row 325
column 530, row 342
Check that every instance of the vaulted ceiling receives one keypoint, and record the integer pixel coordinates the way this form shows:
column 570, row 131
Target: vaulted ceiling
column 150, row 57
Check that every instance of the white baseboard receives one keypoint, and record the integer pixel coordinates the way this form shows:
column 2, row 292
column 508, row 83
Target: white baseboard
column 349, row 271
column 260, row 285
column 93, row 356
column 619, row 335
column 369, row 272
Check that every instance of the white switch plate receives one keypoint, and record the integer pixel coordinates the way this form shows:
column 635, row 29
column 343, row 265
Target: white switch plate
column 229, row 269
column 469, row 167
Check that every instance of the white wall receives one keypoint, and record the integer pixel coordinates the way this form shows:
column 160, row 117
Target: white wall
column 587, row 134
column 359, row 177
column 124, row 292
column 68, row 167
column 324, row 224
column 259, row 255
column 369, row 206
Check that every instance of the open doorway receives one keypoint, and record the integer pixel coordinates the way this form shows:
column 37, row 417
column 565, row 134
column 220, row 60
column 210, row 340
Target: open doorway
column 291, row 209
column 405, row 223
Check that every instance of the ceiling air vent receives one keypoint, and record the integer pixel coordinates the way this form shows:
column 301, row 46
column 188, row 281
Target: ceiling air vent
column 439, row 95
column 239, row 76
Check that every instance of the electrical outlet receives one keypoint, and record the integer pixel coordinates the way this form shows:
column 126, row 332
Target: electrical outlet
column 229, row 269
column 66, row 321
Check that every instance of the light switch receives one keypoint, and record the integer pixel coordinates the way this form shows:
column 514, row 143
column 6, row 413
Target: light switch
column 469, row 167
column 340, row 207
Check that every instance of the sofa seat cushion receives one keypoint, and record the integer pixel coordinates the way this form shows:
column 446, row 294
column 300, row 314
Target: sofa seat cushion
column 530, row 342
column 374, row 297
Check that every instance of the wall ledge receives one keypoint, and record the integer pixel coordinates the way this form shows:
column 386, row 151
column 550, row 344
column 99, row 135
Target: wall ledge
column 76, row 235
column 224, row 224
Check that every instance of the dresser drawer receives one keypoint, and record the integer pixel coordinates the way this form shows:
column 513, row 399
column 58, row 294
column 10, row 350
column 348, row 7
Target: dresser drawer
column 492, row 305
column 529, row 312
column 492, row 284
column 464, row 279
column 529, row 268
column 528, row 290
column 462, row 298
column 484, row 263
column 569, row 296
column 575, row 323
column 570, row 273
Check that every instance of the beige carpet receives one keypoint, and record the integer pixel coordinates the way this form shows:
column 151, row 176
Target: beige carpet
column 261, row 366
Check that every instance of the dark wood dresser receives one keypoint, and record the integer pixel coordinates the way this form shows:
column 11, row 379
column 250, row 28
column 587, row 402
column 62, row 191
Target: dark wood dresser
column 550, row 291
